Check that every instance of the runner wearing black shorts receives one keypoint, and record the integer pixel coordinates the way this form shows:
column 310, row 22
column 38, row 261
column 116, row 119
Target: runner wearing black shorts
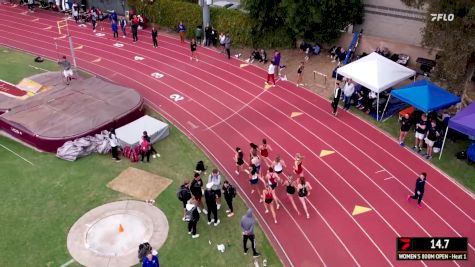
column 238, row 158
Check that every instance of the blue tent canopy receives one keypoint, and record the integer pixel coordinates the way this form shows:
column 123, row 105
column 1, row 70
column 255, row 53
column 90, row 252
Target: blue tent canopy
column 464, row 120
column 426, row 96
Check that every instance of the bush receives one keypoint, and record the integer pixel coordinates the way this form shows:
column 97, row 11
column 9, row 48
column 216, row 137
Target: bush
column 169, row 13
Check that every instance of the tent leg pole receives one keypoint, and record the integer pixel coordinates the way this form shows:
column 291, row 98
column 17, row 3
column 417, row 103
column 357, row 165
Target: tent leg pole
column 385, row 106
column 443, row 142
column 377, row 108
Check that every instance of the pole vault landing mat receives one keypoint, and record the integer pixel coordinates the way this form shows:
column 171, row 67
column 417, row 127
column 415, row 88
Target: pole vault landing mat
column 48, row 119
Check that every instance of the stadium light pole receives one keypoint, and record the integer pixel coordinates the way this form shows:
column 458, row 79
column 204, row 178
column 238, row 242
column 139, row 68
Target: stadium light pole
column 205, row 6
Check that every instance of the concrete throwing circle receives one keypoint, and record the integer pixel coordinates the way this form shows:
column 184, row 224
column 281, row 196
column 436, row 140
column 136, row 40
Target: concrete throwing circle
column 109, row 235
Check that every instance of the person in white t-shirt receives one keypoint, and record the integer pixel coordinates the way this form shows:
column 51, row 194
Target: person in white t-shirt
column 270, row 73
column 348, row 92
column 114, row 142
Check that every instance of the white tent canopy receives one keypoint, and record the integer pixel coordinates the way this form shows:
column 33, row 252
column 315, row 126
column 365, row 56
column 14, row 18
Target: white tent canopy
column 376, row 72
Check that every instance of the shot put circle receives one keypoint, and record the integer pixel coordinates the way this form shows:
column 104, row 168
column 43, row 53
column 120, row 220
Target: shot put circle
column 109, row 235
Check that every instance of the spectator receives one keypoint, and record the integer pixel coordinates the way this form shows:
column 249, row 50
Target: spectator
column 210, row 198
column 348, row 91
column 215, row 179
column 184, row 195
column 222, row 38
column 336, row 99
column 135, row 28
column 75, row 11
column 254, row 56
column 208, row 35
column 421, row 129
column 152, row 149
column 263, row 56
column 405, row 127
column 227, row 45
column 114, row 17
column 247, row 227
column 154, row 37
column 94, row 18
column 193, row 218
column 181, row 31
column 145, row 149
column 198, row 34
column 115, row 30
column 432, row 135
column 196, row 191
column 229, row 193
column 276, row 63
column 271, row 73
column 150, row 261
column 214, row 35
column 300, row 74
column 114, row 145
column 123, row 26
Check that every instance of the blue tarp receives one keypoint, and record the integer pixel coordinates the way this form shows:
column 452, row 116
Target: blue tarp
column 426, row 96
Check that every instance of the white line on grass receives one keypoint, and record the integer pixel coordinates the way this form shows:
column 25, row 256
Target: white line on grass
column 67, row 263
column 16, row 154
column 38, row 68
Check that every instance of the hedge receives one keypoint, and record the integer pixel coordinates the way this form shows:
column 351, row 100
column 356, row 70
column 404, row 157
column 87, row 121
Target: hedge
column 169, row 13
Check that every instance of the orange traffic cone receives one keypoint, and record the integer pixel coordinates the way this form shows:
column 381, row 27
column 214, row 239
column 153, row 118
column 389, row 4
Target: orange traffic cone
column 121, row 229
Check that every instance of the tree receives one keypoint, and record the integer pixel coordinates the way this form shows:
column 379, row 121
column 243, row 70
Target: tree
column 320, row 20
column 455, row 40
column 312, row 20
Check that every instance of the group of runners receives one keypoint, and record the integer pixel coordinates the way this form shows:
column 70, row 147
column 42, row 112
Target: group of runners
column 270, row 173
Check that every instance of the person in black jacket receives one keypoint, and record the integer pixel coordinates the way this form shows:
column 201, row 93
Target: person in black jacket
column 208, row 35
column 419, row 191
column 210, row 198
column 195, row 217
column 229, row 193
column 336, row 98
column 405, row 127
column 196, row 185
column 154, row 37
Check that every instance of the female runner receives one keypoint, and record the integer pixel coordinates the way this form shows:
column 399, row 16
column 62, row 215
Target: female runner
column 265, row 148
column 298, row 168
column 268, row 198
column 273, row 180
column 254, row 178
column 238, row 158
column 290, row 184
column 278, row 165
column 304, row 191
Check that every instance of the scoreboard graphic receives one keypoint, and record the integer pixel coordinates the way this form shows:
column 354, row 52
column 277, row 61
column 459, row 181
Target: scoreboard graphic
column 432, row 248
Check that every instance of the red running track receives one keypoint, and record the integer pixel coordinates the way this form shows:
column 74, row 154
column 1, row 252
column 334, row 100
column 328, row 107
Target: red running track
column 224, row 106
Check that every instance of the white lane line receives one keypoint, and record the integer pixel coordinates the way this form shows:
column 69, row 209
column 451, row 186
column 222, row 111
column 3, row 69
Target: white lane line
column 16, row 154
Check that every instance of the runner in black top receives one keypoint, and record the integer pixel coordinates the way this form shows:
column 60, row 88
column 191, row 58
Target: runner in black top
column 290, row 185
column 419, row 191
column 194, row 54
column 405, row 127
column 154, row 37
column 238, row 158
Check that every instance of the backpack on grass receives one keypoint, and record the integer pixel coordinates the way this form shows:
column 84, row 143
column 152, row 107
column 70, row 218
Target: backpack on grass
column 183, row 194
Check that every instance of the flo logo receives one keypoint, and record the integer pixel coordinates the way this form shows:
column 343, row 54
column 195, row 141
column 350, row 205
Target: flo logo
column 442, row 17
